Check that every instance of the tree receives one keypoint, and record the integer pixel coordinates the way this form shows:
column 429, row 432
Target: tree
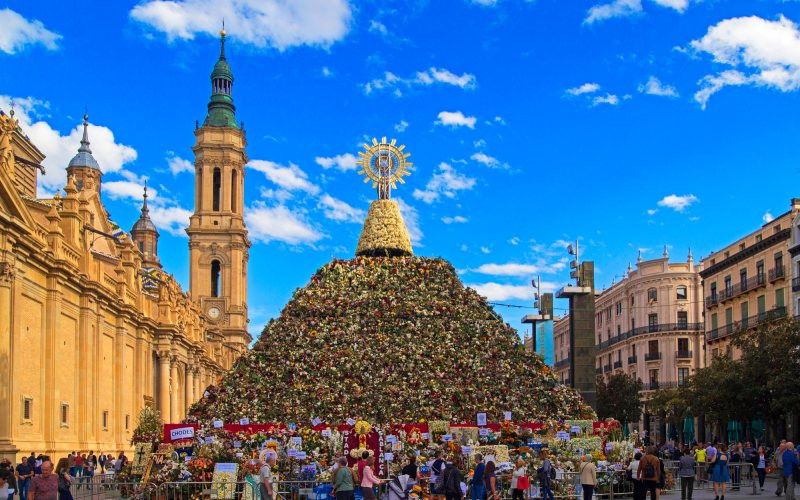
column 671, row 404
column 619, row 398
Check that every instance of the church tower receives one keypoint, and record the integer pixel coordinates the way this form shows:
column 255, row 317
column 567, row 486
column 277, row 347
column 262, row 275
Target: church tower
column 218, row 242
column 145, row 237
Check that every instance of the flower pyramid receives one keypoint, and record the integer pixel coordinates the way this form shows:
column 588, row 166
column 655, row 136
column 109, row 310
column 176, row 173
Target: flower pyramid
column 388, row 338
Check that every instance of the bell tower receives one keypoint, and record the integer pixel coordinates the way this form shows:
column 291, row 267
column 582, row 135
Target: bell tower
column 218, row 242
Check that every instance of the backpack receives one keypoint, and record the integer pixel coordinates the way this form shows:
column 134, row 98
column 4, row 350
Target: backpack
column 452, row 484
column 649, row 472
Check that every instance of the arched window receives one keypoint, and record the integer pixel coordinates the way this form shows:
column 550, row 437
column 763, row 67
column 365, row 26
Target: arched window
column 234, row 180
column 652, row 295
column 217, row 188
column 215, row 278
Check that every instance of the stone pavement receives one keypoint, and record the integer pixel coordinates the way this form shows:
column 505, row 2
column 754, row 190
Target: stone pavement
column 743, row 493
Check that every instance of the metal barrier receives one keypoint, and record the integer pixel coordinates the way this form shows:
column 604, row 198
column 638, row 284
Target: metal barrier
column 185, row 490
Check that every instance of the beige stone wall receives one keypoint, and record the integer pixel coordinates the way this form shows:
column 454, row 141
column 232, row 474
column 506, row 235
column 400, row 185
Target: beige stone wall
column 79, row 331
column 625, row 333
column 561, row 359
column 726, row 304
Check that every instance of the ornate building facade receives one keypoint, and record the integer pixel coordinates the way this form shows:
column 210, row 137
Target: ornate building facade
column 91, row 327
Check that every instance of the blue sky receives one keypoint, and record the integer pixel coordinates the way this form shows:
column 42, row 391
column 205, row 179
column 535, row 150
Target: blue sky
column 625, row 124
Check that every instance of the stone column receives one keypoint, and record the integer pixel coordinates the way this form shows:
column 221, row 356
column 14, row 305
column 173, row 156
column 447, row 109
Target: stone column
column 173, row 388
column 163, row 385
column 7, row 448
column 189, row 386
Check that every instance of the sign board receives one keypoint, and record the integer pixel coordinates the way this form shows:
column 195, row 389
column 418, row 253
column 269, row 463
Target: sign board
column 507, row 415
column 484, row 432
column 244, row 421
column 326, row 433
column 388, row 457
column 447, row 438
column 481, row 419
column 466, row 450
column 141, row 457
column 218, row 424
column 575, row 429
column 350, row 421
column 223, row 483
column 181, row 433
column 316, row 421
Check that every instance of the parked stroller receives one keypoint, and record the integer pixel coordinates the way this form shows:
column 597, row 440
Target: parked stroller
column 396, row 489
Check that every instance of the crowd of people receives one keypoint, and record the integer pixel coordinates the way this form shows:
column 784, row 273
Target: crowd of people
column 35, row 477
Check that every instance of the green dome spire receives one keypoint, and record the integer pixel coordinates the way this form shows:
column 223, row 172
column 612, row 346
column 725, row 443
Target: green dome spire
column 221, row 111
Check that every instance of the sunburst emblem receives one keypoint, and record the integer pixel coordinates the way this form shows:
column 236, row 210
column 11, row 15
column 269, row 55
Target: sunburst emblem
column 385, row 165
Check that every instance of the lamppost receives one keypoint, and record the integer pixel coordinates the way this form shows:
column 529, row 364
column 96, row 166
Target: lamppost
column 582, row 349
column 544, row 304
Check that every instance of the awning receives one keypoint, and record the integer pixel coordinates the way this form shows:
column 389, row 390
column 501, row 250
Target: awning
column 688, row 429
column 734, row 430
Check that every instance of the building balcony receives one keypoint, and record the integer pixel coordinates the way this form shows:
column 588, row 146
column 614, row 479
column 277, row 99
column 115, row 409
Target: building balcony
column 796, row 284
column 652, row 386
column 737, row 289
column 617, row 364
column 777, row 273
column 739, row 326
column 652, row 356
column 607, row 368
column 561, row 364
column 631, row 360
column 598, row 370
column 643, row 330
column 683, row 355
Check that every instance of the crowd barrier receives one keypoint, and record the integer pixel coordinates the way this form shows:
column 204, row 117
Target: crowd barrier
column 613, row 484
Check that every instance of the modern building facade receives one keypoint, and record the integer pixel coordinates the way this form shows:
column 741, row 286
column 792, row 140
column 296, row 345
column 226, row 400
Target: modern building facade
column 748, row 282
column 91, row 327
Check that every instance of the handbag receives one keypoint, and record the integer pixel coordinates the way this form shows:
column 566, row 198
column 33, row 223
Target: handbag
column 523, row 483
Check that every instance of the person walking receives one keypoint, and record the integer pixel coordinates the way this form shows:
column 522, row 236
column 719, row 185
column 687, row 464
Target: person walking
column 265, row 477
column 490, row 482
column 45, row 485
column 452, row 481
column 343, row 483
column 633, row 471
column 686, row 472
column 476, row 492
column 64, row 480
column 759, row 461
column 588, row 475
column 520, row 471
column 24, row 474
column 720, row 475
column 777, row 461
column 546, row 473
column 369, row 480
column 790, row 463
column 102, row 462
column 649, row 474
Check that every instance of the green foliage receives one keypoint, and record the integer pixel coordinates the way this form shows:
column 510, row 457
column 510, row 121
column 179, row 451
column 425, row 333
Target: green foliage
column 671, row 404
column 148, row 426
column 619, row 397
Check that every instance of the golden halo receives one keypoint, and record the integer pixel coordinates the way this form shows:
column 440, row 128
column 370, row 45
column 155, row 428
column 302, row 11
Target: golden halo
column 384, row 162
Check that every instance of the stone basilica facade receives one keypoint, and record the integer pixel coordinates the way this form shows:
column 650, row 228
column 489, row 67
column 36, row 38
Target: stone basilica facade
column 92, row 328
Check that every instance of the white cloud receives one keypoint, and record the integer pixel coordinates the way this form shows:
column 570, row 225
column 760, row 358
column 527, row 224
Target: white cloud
column 18, row 33
column 497, row 291
column 378, row 27
column 339, row 210
column 767, row 217
column 677, row 203
column 401, row 126
column 679, row 5
column 458, row 219
column 411, row 218
column 172, row 219
column 652, row 211
column 617, row 8
column 326, row 72
column 396, row 84
column 485, row 3
column 760, row 52
column 586, row 88
column 485, row 250
column 610, row 99
column 342, row 162
column 510, row 269
column 446, row 181
column 177, row 164
column 655, row 87
column 59, row 149
column 464, row 247
column 514, row 240
column 117, row 190
column 290, row 178
column 278, row 223
column 455, row 119
column 261, row 23
column 489, row 161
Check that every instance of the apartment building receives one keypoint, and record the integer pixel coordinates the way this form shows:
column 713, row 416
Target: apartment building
column 649, row 325
column 747, row 284
column 561, row 360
